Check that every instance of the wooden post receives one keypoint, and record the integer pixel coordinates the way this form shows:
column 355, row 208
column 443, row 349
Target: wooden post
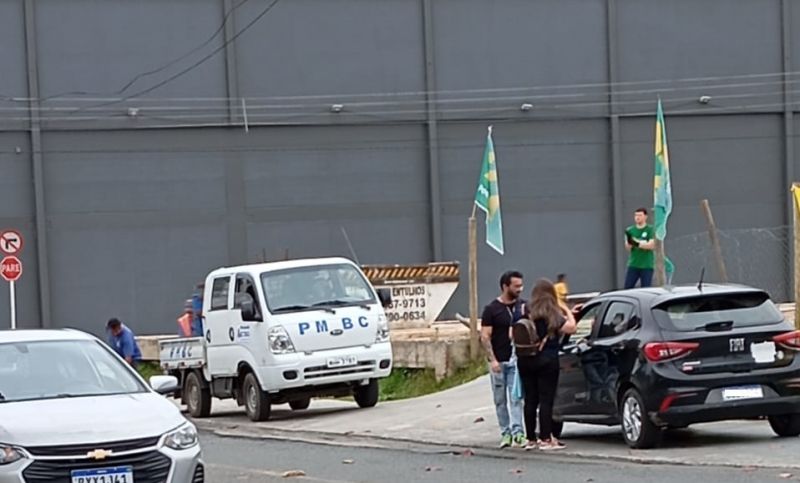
column 796, row 219
column 660, row 272
column 716, row 249
column 474, row 341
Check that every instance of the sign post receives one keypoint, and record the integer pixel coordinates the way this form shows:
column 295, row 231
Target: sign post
column 11, row 267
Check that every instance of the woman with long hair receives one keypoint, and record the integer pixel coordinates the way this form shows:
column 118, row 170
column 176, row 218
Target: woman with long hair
column 538, row 365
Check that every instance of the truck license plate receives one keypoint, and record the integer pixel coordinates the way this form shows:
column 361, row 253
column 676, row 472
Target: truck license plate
column 344, row 361
column 120, row 474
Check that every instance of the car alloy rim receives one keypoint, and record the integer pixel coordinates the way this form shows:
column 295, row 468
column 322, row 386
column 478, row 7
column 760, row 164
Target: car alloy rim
column 252, row 398
column 632, row 419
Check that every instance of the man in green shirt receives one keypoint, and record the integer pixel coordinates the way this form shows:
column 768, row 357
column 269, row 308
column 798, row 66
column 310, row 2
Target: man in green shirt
column 640, row 241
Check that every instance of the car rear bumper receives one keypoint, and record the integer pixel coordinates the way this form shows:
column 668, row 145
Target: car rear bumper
column 705, row 413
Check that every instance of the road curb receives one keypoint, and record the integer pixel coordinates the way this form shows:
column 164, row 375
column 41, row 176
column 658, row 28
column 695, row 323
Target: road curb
column 362, row 440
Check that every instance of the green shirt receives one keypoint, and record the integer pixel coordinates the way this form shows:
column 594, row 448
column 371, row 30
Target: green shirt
column 640, row 258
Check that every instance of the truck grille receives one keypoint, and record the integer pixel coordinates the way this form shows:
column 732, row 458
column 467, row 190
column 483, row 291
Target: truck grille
column 82, row 449
column 150, row 467
column 317, row 372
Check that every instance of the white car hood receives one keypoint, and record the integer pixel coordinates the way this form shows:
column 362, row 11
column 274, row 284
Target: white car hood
column 87, row 419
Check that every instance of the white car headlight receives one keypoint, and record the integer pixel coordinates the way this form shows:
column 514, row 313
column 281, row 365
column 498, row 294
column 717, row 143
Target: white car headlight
column 279, row 340
column 184, row 437
column 383, row 329
column 9, row 454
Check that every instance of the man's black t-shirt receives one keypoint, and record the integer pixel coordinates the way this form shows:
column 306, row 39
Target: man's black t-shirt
column 499, row 317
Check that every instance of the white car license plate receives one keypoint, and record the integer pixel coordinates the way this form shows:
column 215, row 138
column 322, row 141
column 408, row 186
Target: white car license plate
column 744, row 392
column 119, row 474
column 763, row 352
column 345, row 361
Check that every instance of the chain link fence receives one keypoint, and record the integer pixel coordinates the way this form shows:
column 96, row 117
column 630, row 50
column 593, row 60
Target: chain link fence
column 759, row 257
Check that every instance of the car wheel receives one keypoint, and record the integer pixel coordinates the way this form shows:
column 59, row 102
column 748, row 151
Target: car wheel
column 785, row 425
column 256, row 401
column 198, row 398
column 300, row 404
column 637, row 429
column 367, row 396
column 558, row 428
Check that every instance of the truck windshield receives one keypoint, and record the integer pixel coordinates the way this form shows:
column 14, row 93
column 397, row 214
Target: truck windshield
column 61, row 369
column 318, row 286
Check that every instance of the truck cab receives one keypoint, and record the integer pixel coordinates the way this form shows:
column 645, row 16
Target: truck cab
column 285, row 332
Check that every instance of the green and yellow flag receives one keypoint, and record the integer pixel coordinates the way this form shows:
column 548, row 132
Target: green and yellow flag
column 487, row 197
column 662, row 188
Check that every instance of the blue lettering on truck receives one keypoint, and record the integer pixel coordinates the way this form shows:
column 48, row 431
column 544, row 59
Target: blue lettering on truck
column 321, row 326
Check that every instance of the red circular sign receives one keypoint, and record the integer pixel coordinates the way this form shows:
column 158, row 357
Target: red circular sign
column 11, row 268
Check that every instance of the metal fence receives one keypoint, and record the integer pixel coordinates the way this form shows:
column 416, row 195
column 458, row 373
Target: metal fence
column 759, row 257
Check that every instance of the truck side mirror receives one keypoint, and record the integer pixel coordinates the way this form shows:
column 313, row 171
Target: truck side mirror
column 385, row 296
column 247, row 306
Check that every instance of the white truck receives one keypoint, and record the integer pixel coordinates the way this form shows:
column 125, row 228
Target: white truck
column 284, row 332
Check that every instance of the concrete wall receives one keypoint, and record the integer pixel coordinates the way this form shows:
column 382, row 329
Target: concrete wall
column 125, row 213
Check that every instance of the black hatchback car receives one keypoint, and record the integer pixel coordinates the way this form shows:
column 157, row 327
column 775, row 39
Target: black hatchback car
column 659, row 358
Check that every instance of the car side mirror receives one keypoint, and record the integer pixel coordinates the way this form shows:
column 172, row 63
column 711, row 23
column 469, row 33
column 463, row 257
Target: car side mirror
column 164, row 384
column 385, row 296
column 247, row 306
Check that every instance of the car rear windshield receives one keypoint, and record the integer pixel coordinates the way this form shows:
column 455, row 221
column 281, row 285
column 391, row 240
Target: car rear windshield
column 737, row 310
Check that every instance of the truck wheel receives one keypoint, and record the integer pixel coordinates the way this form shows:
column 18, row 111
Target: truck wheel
column 256, row 401
column 367, row 396
column 198, row 398
column 637, row 429
column 300, row 404
column 785, row 425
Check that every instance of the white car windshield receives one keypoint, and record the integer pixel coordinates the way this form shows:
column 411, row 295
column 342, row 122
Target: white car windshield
column 60, row 369
column 317, row 286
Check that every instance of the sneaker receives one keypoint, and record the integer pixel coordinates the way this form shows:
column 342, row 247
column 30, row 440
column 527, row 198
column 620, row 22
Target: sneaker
column 551, row 445
column 531, row 445
column 506, row 441
column 519, row 440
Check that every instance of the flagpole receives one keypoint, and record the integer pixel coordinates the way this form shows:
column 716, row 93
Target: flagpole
column 474, row 342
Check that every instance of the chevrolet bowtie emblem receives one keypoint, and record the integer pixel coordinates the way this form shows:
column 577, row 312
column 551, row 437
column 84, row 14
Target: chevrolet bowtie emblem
column 99, row 454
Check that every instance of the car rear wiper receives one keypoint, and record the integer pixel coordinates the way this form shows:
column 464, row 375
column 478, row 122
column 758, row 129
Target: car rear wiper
column 720, row 326
column 340, row 302
column 290, row 308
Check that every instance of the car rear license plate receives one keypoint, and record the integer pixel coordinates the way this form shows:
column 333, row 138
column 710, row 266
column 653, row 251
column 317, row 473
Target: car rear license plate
column 744, row 392
column 119, row 474
column 344, row 361
column 763, row 352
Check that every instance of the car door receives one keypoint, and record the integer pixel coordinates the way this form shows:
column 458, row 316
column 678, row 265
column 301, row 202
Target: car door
column 572, row 393
column 248, row 330
column 611, row 355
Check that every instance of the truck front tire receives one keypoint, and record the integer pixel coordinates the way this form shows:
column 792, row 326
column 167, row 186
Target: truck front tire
column 198, row 397
column 256, row 401
column 367, row 396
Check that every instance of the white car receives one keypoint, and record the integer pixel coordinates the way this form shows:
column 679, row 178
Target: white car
column 73, row 411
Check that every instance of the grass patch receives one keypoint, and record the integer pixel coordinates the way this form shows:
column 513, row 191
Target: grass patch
column 147, row 369
column 407, row 383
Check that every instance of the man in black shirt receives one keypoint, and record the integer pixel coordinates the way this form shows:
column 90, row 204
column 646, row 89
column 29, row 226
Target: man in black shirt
column 496, row 323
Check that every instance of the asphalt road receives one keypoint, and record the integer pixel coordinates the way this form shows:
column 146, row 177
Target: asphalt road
column 254, row 460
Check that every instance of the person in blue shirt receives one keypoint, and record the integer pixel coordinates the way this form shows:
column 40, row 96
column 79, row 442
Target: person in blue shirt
column 197, row 308
column 123, row 341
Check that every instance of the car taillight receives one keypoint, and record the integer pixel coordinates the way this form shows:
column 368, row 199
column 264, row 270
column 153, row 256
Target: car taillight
column 667, row 351
column 789, row 340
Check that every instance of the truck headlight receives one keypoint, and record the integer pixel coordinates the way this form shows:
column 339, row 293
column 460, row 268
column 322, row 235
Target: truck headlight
column 9, row 454
column 383, row 329
column 279, row 340
column 184, row 437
